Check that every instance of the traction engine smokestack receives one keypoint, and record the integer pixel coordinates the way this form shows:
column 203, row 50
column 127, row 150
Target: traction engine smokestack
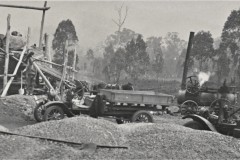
column 186, row 63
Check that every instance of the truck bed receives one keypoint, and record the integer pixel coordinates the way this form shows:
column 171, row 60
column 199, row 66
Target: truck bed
column 137, row 97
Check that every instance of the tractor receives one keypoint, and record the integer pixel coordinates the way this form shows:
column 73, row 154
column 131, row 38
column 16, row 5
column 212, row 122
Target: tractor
column 210, row 108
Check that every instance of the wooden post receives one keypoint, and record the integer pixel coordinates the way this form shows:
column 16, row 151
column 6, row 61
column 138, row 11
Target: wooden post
column 186, row 63
column 42, row 23
column 28, row 37
column 5, row 79
column 65, row 57
column 74, row 62
column 47, row 50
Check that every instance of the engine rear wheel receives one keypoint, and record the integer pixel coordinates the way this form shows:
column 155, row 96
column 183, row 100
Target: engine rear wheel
column 142, row 116
column 53, row 113
column 194, row 125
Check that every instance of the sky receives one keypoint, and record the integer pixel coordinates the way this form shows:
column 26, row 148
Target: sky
column 93, row 19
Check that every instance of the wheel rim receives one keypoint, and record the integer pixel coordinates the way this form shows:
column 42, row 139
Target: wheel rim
column 54, row 114
column 189, row 108
column 215, row 106
column 143, row 118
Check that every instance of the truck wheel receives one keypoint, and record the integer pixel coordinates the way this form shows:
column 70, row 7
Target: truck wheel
column 142, row 116
column 194, row 125
column 53, row 113
column 38, row 113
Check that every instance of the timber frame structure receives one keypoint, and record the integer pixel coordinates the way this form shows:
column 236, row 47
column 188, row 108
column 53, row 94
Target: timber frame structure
column 41, row 61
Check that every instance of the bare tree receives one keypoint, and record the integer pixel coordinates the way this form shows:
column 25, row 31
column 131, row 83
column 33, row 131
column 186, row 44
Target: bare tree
column 120, row 21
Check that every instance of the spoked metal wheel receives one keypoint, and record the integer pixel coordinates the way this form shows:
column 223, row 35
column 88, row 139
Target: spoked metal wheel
column 189, row 107
column 39, row 111
column 192, row 85
column 53, row 113
column 221, row 108
column 142, row 116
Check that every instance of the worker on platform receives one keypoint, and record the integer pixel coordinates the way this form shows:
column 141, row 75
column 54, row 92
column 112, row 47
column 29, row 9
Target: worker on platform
column 30, row 74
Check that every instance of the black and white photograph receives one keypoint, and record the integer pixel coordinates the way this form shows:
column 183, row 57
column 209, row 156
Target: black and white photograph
column 119, row 80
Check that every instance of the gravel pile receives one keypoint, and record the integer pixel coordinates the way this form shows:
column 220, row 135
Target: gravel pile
column 17, row 106
column 171, row 141
column 16, row 111
column 145, row 141
column 77, row 129
column 14, row 147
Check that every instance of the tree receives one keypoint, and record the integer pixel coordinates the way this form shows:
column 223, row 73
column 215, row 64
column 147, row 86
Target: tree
column 90, row 54
column 121, row 21
column 222, row 64
column 107, row 55
column 172, row 50
column 117, row 64
column 202, row 48
column 230, row 40
column 120, row 39
column 155, row 54
column 137, row 59
column 65, row 31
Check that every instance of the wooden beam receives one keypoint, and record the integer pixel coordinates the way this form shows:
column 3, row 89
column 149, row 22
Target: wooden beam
column 5, row 90
column 65, row 57
column 45, row 79
column 25, row 7
column 74, row 61
column 42, row 23
column 28, row 37
column 52, row 63
column 5, row 79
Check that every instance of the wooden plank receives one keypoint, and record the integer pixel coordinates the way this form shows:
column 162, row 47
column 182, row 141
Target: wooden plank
column 28, row 37
column 74, row 62
column 65, row 58
column 5, row 79
column 25, row 7
column 42, row 23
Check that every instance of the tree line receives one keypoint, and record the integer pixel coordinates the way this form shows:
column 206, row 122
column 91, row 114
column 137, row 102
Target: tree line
column 126, row 55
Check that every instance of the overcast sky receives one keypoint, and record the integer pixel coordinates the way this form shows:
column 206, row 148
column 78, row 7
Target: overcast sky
column 93, row 20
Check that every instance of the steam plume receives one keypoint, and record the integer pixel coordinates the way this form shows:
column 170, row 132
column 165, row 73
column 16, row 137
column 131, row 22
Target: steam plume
column 203, row 77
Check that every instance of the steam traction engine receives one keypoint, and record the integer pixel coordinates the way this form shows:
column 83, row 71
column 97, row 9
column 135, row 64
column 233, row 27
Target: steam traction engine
column 210, row 108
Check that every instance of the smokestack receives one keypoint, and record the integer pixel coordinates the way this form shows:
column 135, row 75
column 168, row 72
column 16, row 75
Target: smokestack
column 186, row 63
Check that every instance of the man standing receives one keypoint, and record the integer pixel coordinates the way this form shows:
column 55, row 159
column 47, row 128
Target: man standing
column 30, row 74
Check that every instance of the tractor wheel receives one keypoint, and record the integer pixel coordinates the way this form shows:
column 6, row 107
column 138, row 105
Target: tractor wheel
column 39, row 111
column 189, row 107
column 216, row 105
column 142, row 116
column 53, row 113
column 194, row 125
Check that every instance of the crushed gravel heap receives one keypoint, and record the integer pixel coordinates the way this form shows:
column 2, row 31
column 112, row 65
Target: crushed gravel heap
column 14, row 147
column 17, row 107
column 145, row 141
column 77, row 129
column 171, row 141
